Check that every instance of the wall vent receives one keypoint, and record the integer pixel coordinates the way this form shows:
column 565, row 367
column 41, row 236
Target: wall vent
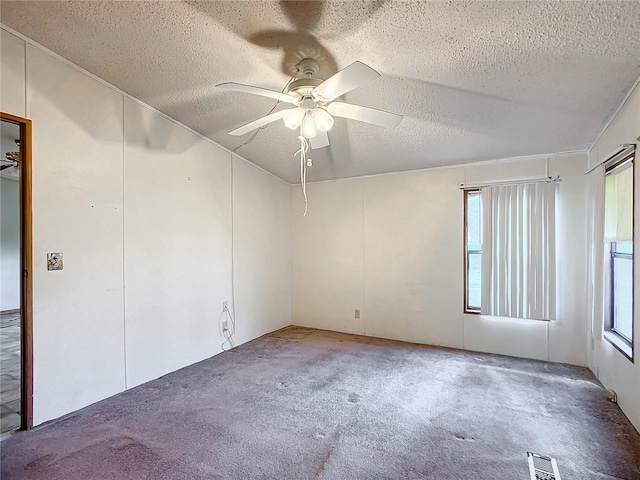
column 542, row 468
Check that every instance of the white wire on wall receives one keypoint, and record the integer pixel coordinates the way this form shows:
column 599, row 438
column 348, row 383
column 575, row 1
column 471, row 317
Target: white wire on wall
column 304, row 148
column 230, row 331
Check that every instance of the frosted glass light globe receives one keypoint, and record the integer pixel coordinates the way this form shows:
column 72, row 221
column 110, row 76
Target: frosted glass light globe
column 324, row 121
column 308, row 127
column 293, row 118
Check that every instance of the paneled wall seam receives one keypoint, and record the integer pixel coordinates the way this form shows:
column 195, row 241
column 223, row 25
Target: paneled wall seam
column 363, row 313
column 291, row 266
column 233, row 265
column 25, row 80
column 546, row 167
column 124, row 290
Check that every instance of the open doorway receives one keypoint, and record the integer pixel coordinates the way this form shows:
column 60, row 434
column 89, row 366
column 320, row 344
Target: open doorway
column 10, row 272
column 15, row 267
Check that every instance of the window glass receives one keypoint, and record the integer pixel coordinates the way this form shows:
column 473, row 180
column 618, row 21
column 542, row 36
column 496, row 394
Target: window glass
column 623, row 247
column 473, row 250
column 473, row 281
column 473, row 220
column 622, row 289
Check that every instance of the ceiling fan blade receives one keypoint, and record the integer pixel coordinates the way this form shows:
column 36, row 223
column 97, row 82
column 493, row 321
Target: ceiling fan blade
column 320, row 140
column 3, row 167
column 258, row 123
column 239, row 87
column 365, row 114
column 350, row 77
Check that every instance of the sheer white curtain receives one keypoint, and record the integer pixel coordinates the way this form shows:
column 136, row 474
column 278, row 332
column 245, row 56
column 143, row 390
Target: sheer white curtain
column 618, row 204
column 595, row 265
column 518, row 251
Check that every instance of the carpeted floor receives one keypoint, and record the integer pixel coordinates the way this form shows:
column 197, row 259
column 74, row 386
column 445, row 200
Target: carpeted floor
column 308, row 404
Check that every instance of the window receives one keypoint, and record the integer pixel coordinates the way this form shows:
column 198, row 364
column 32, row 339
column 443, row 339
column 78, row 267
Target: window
column 473, row 250
column 618, row 234
column 509, row 249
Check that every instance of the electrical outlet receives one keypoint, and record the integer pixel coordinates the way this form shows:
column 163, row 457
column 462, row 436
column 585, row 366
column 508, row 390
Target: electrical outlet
column 225, row 326
column 357, row 313
column 225, row 306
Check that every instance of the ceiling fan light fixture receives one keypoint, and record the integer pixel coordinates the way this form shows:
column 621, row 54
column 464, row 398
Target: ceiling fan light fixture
column 313, row 102
column 308, row 127
column 293, row 118
column 323, row 120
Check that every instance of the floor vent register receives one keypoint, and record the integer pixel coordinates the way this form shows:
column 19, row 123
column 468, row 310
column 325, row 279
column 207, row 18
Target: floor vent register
column 542, row 468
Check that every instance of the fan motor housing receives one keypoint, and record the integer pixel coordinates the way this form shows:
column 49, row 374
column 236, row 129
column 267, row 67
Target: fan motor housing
column 303, row 86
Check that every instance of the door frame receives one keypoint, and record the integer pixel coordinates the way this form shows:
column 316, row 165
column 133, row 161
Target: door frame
column 26, row 279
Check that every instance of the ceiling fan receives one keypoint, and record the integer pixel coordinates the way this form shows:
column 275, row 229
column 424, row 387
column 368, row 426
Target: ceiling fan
column 314, row 102
column 12, row 159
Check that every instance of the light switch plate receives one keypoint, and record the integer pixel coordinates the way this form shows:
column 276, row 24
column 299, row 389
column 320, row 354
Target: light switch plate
column 54, row 261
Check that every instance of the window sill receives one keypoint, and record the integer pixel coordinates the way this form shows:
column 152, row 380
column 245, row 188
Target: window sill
column 620, row 345
column 478, row 312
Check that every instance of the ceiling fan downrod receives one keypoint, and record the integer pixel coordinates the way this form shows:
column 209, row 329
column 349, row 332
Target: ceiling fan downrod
column 306, row 79
column 308, row 68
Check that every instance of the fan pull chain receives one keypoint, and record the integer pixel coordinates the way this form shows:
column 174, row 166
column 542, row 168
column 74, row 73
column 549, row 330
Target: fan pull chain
column 304, row 148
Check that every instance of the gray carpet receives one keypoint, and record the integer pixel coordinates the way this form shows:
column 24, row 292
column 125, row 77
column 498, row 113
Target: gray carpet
column 308, row 404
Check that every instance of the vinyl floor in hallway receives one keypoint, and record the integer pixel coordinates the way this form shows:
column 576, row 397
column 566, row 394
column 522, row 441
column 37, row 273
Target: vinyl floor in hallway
column 9, row 371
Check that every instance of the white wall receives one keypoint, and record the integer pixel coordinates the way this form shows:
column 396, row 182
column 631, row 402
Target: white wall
column 177, row 237
column 12, row 84
column 611, row 367
column 141, row 208
column 392, row 246
column 9, row 245
column 12, row 95
column 327, row 276
column 409, row 266
column 261, row 251
column 78, row 332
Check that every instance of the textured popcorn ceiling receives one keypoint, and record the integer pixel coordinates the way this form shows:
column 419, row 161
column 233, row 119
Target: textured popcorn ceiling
column 475, row 80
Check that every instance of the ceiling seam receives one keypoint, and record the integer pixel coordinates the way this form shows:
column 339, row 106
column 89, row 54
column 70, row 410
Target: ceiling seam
column 131, row 97
column 615, row 113
column 537, row 156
